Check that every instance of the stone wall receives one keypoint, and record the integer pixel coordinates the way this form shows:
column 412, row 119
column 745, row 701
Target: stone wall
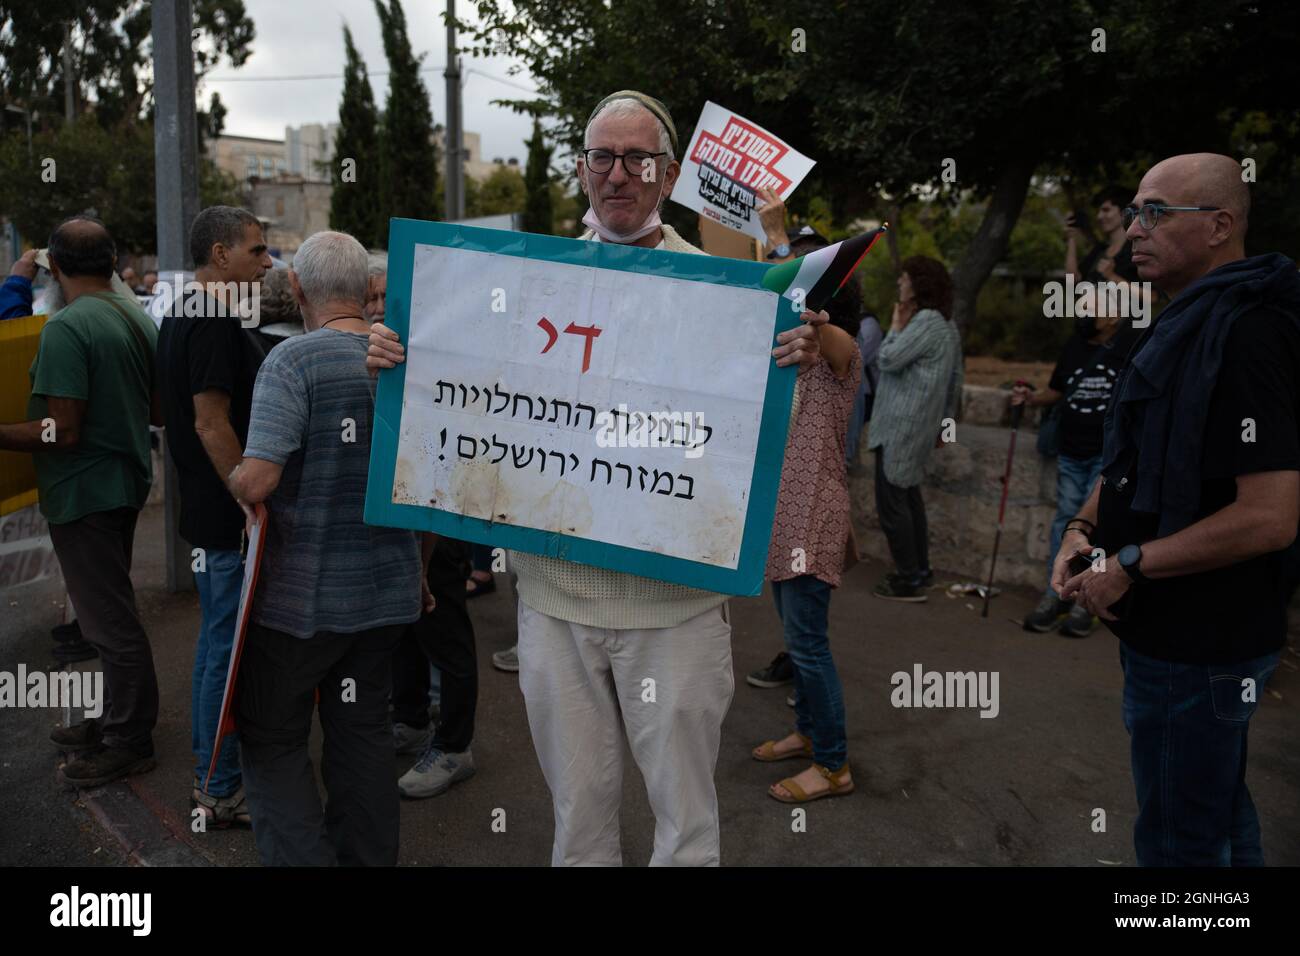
column 962, row 488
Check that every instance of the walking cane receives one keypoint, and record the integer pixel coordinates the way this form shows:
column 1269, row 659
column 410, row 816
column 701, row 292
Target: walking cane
column 1016, row 412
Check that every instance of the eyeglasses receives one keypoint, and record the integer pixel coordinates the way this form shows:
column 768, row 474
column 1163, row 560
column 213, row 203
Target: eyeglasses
column 1149, row 214
column 601, row 161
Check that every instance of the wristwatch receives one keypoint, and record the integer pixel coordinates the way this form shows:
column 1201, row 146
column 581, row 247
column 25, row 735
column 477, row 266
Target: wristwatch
column 780, row 252
column 1130, row 559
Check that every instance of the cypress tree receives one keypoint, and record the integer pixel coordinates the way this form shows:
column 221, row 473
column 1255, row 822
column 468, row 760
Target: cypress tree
column 355, row 171
column 538, row 216
column 409, row 161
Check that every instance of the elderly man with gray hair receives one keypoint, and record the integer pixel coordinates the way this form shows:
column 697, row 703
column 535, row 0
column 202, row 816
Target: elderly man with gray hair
column 589, row 636
column 334, row 593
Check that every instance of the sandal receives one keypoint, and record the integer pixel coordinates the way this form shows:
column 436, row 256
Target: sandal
column 477, row 588
column 838, row 787
column 766, row 751
column 222, row 812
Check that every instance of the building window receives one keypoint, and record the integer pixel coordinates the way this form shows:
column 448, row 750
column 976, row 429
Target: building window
column 268, row 167
column 250, row 165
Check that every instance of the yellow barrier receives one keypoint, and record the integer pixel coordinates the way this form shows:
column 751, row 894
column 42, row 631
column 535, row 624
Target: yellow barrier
column 19, row 339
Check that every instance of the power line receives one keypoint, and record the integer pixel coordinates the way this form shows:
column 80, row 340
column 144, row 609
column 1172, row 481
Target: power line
column 501, row 79
column 304, row 76
column 339, row 76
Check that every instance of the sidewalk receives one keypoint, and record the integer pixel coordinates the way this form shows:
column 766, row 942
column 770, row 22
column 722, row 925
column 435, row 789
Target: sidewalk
column 935, row 786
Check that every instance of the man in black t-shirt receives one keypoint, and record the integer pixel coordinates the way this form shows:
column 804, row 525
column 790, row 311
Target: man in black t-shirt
column 1083, row 383
column 1198, row 504
column 207, row 364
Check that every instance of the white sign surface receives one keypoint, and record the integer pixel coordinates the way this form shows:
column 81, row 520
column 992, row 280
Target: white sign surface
column 728, row 161
column 528, row 383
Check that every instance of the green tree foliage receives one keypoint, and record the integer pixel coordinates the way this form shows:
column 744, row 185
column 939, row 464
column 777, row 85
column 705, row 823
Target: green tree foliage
column 502, row 192
column 881, row 93
column 538, row 211
column 111, row 51
column 352, row 203
column 107, row 172
column 104, row 160
column 408, row 159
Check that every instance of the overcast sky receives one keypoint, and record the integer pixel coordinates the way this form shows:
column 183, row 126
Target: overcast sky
column 305, row 37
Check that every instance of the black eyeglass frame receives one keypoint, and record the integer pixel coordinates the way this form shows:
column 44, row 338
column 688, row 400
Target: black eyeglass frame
column 617, row 157
column 1131, row 212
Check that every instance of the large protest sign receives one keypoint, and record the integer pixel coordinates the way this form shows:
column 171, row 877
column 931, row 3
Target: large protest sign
column 606, row 404
column 728, row 161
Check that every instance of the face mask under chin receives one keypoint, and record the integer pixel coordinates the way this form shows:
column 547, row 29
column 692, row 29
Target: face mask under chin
column 648, row 225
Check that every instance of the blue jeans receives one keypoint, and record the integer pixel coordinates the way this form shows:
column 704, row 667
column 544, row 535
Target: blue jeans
column 803, row 603
column 1075, row 478
column 1187, row 724
column 219, row 588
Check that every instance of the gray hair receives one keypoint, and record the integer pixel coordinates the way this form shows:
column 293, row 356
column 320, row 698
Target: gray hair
column 276, row 299
column 223, row 224
column 331, row 267
column 377, row 264
column 624, row 108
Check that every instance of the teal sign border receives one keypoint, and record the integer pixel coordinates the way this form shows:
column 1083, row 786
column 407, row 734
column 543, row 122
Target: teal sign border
column 747, row 578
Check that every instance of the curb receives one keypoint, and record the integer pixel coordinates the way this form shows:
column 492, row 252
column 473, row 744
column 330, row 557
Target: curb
column 140, row 827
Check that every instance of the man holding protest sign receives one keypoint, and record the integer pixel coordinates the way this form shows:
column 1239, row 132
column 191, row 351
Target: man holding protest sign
column 590, row 638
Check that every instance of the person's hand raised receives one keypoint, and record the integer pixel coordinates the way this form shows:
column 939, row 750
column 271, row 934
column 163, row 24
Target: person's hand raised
column 25, row 265
column 771, row 214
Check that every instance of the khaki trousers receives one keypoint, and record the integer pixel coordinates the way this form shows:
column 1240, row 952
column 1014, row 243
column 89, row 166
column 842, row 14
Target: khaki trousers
column 668, row 689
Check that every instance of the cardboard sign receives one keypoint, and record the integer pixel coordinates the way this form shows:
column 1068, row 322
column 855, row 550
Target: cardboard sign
column 728, row 161
column 606, row 404
column 252, row 568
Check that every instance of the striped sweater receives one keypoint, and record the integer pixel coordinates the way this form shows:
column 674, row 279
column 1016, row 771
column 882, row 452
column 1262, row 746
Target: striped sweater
column 921, row 376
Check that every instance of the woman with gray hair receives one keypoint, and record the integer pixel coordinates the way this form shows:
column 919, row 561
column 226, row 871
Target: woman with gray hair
column 377, row 286
column 279, row 315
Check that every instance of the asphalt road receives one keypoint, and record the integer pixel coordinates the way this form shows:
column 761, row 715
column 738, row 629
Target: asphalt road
column 935, row 786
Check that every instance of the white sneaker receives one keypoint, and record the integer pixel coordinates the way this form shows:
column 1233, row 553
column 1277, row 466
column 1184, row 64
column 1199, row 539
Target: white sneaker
column 507, row 660
column 435, row 772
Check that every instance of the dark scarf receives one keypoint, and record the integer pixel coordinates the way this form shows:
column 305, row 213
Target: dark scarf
column 1163, row 395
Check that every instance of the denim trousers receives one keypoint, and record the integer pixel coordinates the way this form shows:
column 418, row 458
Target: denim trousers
column 219, row 586
column 803, row 604
column 1074, row 480
column 1187, row 724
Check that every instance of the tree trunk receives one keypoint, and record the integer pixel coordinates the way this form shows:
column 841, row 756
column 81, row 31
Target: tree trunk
column 891, row 237
column 991, row 239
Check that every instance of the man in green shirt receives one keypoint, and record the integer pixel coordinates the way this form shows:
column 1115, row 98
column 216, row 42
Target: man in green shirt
column 88, row 432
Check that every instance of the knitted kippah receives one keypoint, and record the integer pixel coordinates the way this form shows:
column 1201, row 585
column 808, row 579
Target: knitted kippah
column 649, row 102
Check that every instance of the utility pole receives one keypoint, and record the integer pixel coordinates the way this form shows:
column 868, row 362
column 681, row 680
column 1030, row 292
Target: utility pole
column 176, row 177
column 453, row 142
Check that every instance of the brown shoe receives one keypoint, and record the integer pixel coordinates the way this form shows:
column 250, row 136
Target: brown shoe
column 83, row 735
column 104, row 765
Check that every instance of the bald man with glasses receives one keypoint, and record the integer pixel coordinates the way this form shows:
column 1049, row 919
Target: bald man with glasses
column 1189, row 527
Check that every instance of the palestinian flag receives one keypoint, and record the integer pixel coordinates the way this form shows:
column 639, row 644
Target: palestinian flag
column 822, row 272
